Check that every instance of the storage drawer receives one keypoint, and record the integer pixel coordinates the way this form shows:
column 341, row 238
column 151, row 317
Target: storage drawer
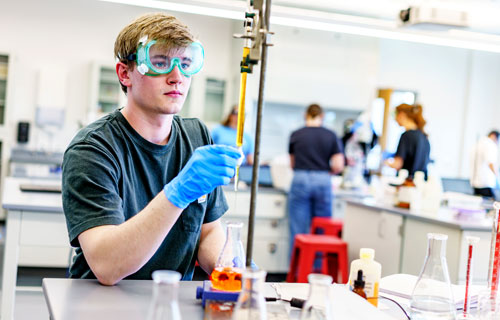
column 43, row 229
column 269, row 205
column 271, row 255
column 49, row 257
column 264, row 228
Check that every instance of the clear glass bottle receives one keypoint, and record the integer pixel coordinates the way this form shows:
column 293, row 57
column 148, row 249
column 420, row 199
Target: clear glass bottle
column 165, row 305
column 318, row 305
column 432, row 297
column 231, row 262
column 251, row 303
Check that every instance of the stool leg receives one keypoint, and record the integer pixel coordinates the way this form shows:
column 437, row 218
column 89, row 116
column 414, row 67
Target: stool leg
column 332, row 266
column 343, row 264
column 292, row 273
column 306, row 263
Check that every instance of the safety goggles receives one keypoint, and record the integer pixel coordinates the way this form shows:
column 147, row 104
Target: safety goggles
column 154, row 58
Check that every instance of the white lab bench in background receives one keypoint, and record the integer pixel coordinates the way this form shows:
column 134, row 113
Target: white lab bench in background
column 399, row 238
column 271, row 247
column 36, row 234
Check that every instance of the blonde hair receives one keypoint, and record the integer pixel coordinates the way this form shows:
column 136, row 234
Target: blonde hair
column 156, row 26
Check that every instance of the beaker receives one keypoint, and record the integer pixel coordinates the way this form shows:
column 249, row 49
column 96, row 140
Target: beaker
column 165, row 305
column 318, row 305
column 251, row 304
column 227, row 272
column 432, row 297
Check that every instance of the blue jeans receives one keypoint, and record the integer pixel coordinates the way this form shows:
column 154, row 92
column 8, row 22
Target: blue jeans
column 310, row 196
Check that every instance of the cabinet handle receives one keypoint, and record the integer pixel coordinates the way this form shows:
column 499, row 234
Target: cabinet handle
column 278, row 203
column 274, row 223
column 273, row 247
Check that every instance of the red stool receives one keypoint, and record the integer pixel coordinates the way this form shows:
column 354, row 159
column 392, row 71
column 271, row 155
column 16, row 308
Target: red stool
column 304, row 252
column 332, row 227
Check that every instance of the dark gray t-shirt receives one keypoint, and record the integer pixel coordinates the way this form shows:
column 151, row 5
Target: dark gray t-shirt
column 110, row 173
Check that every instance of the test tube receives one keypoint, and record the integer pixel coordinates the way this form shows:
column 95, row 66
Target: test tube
column 495, row 254
column 471, row 242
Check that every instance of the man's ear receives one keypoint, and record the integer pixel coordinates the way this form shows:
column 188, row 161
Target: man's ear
column 123, row 71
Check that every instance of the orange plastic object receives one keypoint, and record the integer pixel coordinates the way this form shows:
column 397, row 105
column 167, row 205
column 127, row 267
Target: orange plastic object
column 226, row 279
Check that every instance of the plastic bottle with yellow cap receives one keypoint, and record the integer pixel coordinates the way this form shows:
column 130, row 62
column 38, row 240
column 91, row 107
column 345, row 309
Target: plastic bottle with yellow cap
column 372, row 271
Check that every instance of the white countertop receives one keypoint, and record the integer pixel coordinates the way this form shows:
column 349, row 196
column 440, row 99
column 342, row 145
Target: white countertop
column 444, row 216
column 15, row 199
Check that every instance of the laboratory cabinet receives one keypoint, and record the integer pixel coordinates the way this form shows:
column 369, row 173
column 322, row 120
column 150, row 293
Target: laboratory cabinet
column 399, row 238
column 271, row 234
column 376, row 229
column 106, row 94
column 36, row 234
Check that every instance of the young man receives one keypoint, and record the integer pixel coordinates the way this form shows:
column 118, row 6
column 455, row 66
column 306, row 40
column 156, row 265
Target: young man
column 484, row 165
column 141, row 186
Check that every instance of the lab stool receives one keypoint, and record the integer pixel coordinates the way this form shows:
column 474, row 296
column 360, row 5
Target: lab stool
column 333, row 249
column 331, row 227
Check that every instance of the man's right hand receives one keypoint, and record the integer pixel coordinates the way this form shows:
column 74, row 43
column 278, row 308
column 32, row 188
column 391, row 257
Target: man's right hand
column 209, row 166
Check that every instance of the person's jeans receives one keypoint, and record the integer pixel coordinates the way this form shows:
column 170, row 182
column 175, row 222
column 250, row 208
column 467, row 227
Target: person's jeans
column 310, row 196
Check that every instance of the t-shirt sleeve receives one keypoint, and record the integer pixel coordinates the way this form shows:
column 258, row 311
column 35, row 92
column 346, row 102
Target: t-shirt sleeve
column 291, row 144
column 403, row 146
column 215, row 134
column 216, row 206
column 89, row 190
column 336, row 145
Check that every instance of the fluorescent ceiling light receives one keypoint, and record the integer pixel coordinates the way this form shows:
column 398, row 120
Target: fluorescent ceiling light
column 334, row 22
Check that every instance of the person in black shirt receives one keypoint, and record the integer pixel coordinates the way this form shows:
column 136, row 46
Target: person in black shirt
column 413, row 149
column 315, row 153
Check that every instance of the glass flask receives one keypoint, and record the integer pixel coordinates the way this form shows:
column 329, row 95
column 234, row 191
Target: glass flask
column 318, row 305
column 165, row 305
column 432, row 297
column 227, row 272
column 251, row 304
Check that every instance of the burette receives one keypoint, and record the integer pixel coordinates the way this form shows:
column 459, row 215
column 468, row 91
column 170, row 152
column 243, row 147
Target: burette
column 245, row 68
column 255, row 37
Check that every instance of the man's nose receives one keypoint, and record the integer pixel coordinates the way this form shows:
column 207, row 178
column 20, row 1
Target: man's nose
column 175, row 76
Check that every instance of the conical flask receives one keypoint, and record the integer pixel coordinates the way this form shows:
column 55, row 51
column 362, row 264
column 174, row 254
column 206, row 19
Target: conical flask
column 165, row 305
column 432, row 297
column 231, row 262
column 251, row 303
column 318, row 305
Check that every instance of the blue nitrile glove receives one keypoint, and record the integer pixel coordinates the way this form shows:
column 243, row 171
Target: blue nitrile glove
column 209, row 166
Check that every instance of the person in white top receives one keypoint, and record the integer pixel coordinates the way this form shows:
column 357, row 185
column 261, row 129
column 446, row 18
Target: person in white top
column 484, row 165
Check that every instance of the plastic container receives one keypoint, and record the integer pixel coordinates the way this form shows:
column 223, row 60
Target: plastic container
column 372, row 271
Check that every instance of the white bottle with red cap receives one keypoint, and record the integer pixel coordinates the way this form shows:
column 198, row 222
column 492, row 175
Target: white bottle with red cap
column 372, row 271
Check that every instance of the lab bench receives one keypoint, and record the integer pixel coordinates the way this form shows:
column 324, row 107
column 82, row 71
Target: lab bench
column 35, row 234
column 130, row 299
column 399, row 238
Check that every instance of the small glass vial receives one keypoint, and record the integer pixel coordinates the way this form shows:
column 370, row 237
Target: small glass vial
column 432, row 297
column 318, row 305
column 227, row 272
column 359, row 285
column 165, row 305
column 251, row 303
